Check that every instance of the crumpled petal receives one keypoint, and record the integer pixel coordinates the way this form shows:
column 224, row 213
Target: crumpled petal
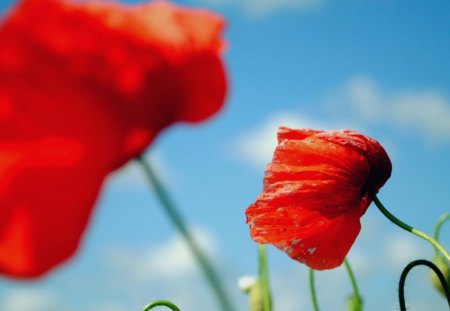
column 84, row 88
column 316, row 188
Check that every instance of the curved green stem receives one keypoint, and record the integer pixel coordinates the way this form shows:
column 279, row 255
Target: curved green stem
column 264, row 277
column 441, row 221
column 162, row 303
column 408, row 268
column 410, row 229
column 312, row 288
column 178, row 222
column 354, row 284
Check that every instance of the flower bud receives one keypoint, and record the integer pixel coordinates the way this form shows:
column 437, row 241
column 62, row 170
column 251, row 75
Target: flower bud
column 253, row 287
column 443, row 265
column 354, row 303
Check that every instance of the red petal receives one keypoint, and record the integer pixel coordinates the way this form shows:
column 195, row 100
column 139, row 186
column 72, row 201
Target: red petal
column 159, row 63
column 307, row 236
column 56, row 147
column 84, row 87
column 316, row 188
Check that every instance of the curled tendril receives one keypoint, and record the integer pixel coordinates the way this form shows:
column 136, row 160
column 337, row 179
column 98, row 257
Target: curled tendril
column 408, row 268
column 162, row 303
column 441, row 221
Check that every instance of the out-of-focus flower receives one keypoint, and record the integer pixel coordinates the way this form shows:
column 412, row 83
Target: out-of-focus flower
column 354, row 303
column 316, row 188
column 253, row 287
column 85, row 87
column 245, row 283
column 444, row 267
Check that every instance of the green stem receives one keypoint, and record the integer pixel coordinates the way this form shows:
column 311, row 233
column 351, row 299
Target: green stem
column 437, row 229
column 410, row 229
column 354, row 284
column 264, row 277
column 312, row 288
column 178, row 222
column 441, row 221
column 163, row 303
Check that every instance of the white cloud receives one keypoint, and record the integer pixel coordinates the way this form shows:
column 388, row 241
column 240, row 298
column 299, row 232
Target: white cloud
column 165, row 271
column 429, row 112
column 257, row 145
column 265, row 7
column 29, row 300
column 402, row 248
column 171, row 259
column 423, row 112
column 363, row 94
column 358, row 105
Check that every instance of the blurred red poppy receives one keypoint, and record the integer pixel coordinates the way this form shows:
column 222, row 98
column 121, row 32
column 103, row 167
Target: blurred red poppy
column 85, row 87
column 316, row 188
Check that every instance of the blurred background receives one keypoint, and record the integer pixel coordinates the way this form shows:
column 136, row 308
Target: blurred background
column 381, row 67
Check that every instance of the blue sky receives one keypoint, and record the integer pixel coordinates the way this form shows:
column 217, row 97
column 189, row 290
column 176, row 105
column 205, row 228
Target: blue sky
column 380, row 67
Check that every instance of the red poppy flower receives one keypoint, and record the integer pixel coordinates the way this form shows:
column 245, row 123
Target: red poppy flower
column 85, row 87
column 316, row 189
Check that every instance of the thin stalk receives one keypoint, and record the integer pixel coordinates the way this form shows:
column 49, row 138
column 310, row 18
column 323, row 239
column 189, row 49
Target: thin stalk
column 162, row 303
column 264, row 277
column 178, row 221
column 410, row 229
column 312, row 288
column 354, row 283
column 437, row 229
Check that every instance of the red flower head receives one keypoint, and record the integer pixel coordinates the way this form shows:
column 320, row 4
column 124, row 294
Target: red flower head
column 316, row 189
column 85, row 87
